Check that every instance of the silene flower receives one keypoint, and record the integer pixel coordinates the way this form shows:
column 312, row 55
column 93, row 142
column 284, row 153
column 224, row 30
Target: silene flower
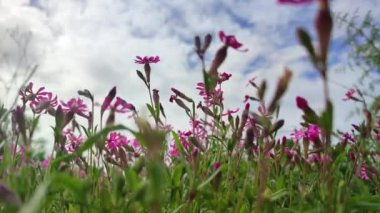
column 230, row 41
column 146, row 59
column 44, row 103
column 295, row 2
column 115, row 140
column 349, row 95
column 72, row 141
column 76, row 106
column 313, row 132
column 298, row 134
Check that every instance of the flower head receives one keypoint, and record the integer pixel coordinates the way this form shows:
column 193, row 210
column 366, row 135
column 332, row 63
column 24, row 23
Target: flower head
column 301, row 103
column 76, row 106
column 347, row 137
column 45, row 163
column 72, row 141
column 230, row 41
column 295, row 2
column 122, row 106
column 115, row 140
column 173, row 151
column 363, row 173
column 146, row 59
column 349, row 95
column 44, row 103
column 40, row 101
column 224, row 77
column 313, row 132
column 216, row 165
column 298, row 134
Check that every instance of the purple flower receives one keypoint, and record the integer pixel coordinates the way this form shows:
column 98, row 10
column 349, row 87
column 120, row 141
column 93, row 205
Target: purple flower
column 295, row 2
column 122, row 106
column 349, row 95
column 298, row 134
column 43, row 103
column 45, row 163
column 313, row 132
column 146, row 59
column 216, row 165
column 27, row 93
column 210, row 97
column 347, row 137
column 72, row 141
column 312, row 158
column 224, row 77
column 76, row 106
column 173, row 151
column 363, row 173
column 301, row 103
column 230, row 112
column 230, row 41
column 108, row 99
column 116, row 140
column 40, row 101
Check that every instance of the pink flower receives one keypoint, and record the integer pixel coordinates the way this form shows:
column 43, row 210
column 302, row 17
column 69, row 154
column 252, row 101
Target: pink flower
column 301, row 103
column 294, row 1
column 173, row 151
column 363, row 173
column 76, row 106
column 122, row 106
column 115, row 140
column 45, row 163
column 108, row 99
column 230, row 112
column 136, row 145
column 27, row 93
column 43, row 103
column 216, row 165
column 224, row 77
column 198, row 129
column 252, row 81
column 347, row 137
column 72, row 141
column 40, row 101
column 349, row 95
column 230, row 41
column 313, row 132
column 298, row 134
column 312, row 158
column 211, row 97
column 378, row 137
column 146, row 59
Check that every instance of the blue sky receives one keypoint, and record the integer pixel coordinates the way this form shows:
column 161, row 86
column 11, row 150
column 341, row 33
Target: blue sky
column 92, row 44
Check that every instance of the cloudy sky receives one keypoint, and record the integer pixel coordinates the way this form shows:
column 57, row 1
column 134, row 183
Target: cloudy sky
column 92, row 44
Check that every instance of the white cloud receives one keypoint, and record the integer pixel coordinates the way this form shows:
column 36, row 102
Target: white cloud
column 92, row 44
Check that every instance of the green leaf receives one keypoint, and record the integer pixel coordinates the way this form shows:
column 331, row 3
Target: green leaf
column 364, row 203
column 177, row 175
column 34, row 204
column 141, row 76
column 204, row 183
column 152, row 111
column 305, row 40
column 278, row 195
column 326, row 119
column 72, row 184
column 178, row 142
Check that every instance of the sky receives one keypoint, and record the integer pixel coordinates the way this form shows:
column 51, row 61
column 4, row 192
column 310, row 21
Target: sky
column 82, row 44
